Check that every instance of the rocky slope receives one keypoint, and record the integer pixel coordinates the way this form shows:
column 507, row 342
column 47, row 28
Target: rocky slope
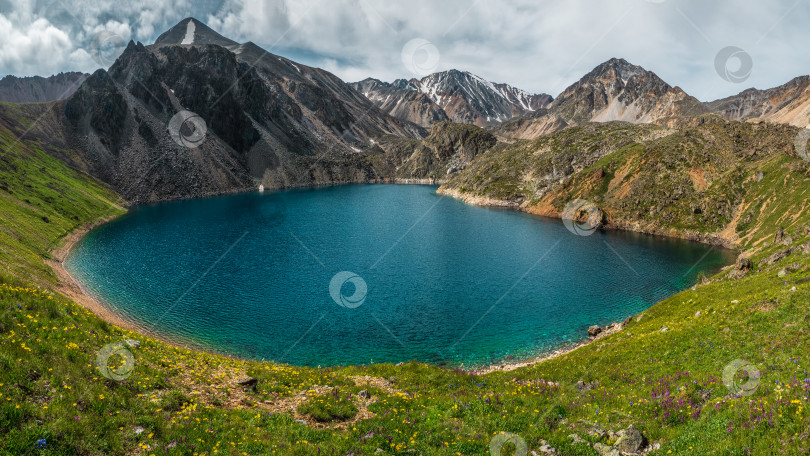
column 448, row 149
column 614, row 90
column 257, row 119
column 787, row 104
column 401, row 101
column 704, row 178
column 37, row 89
column 459, row 96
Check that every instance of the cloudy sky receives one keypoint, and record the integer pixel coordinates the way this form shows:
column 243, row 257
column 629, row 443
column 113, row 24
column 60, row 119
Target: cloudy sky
column 537, row 45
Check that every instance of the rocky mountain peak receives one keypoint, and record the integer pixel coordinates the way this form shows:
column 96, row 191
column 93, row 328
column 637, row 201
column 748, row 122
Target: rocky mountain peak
column 619, row 68
column 619, row 90
column 191, row 31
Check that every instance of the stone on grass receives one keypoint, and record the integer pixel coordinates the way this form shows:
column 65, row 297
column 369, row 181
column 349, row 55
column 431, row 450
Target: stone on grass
column 133, row 343
column 247, row 381
column 742, row 267
column 605, row 450
column 630, row 440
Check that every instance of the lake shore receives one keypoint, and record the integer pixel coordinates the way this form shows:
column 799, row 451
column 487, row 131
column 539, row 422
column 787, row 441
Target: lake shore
column 507, row 366
column 725, row 239
column 73, row 288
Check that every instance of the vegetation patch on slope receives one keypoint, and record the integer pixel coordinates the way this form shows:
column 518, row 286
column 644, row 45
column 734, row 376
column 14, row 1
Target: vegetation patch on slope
column 42, row 200
column 707, row 179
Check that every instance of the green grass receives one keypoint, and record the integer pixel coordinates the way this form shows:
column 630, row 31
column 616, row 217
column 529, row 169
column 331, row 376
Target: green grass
column 41, row 200
column 329, row 407
column 181, row 402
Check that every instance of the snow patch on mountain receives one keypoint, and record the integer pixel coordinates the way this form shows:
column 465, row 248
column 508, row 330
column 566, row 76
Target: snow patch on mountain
column 189, row 38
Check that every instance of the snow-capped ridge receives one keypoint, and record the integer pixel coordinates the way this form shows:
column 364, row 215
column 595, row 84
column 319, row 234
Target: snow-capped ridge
column 465, row 97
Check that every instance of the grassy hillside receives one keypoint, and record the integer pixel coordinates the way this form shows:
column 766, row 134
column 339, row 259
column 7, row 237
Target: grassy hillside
column 41, row 200
column 707, row 178
column 662, row 373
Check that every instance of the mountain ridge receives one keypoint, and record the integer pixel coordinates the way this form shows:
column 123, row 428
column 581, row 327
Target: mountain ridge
column 456, row 95
column 39, row 89
column 788, row 103
column 197, row 114
column 614, row 90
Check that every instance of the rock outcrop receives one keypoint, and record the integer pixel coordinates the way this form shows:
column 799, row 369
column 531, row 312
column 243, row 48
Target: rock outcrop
column 448, row 149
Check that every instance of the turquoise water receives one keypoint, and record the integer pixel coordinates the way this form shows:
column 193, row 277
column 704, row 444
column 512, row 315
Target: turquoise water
column 429, row 278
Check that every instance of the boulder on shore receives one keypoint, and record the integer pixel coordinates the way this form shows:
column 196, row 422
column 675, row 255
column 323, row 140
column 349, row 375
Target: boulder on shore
column 594, row 330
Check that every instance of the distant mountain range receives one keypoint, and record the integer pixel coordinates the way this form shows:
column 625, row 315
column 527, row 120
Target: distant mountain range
column 36, row 89
column 454, row 95
column 614, row 90
column 787, row 104
column 198, row 114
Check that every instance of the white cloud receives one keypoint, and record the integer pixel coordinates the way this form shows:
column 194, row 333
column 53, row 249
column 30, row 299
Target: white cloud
column 538, row 45
column 33, row 48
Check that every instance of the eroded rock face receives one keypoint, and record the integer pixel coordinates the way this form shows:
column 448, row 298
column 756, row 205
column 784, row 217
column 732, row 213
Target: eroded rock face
column 787, row 104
